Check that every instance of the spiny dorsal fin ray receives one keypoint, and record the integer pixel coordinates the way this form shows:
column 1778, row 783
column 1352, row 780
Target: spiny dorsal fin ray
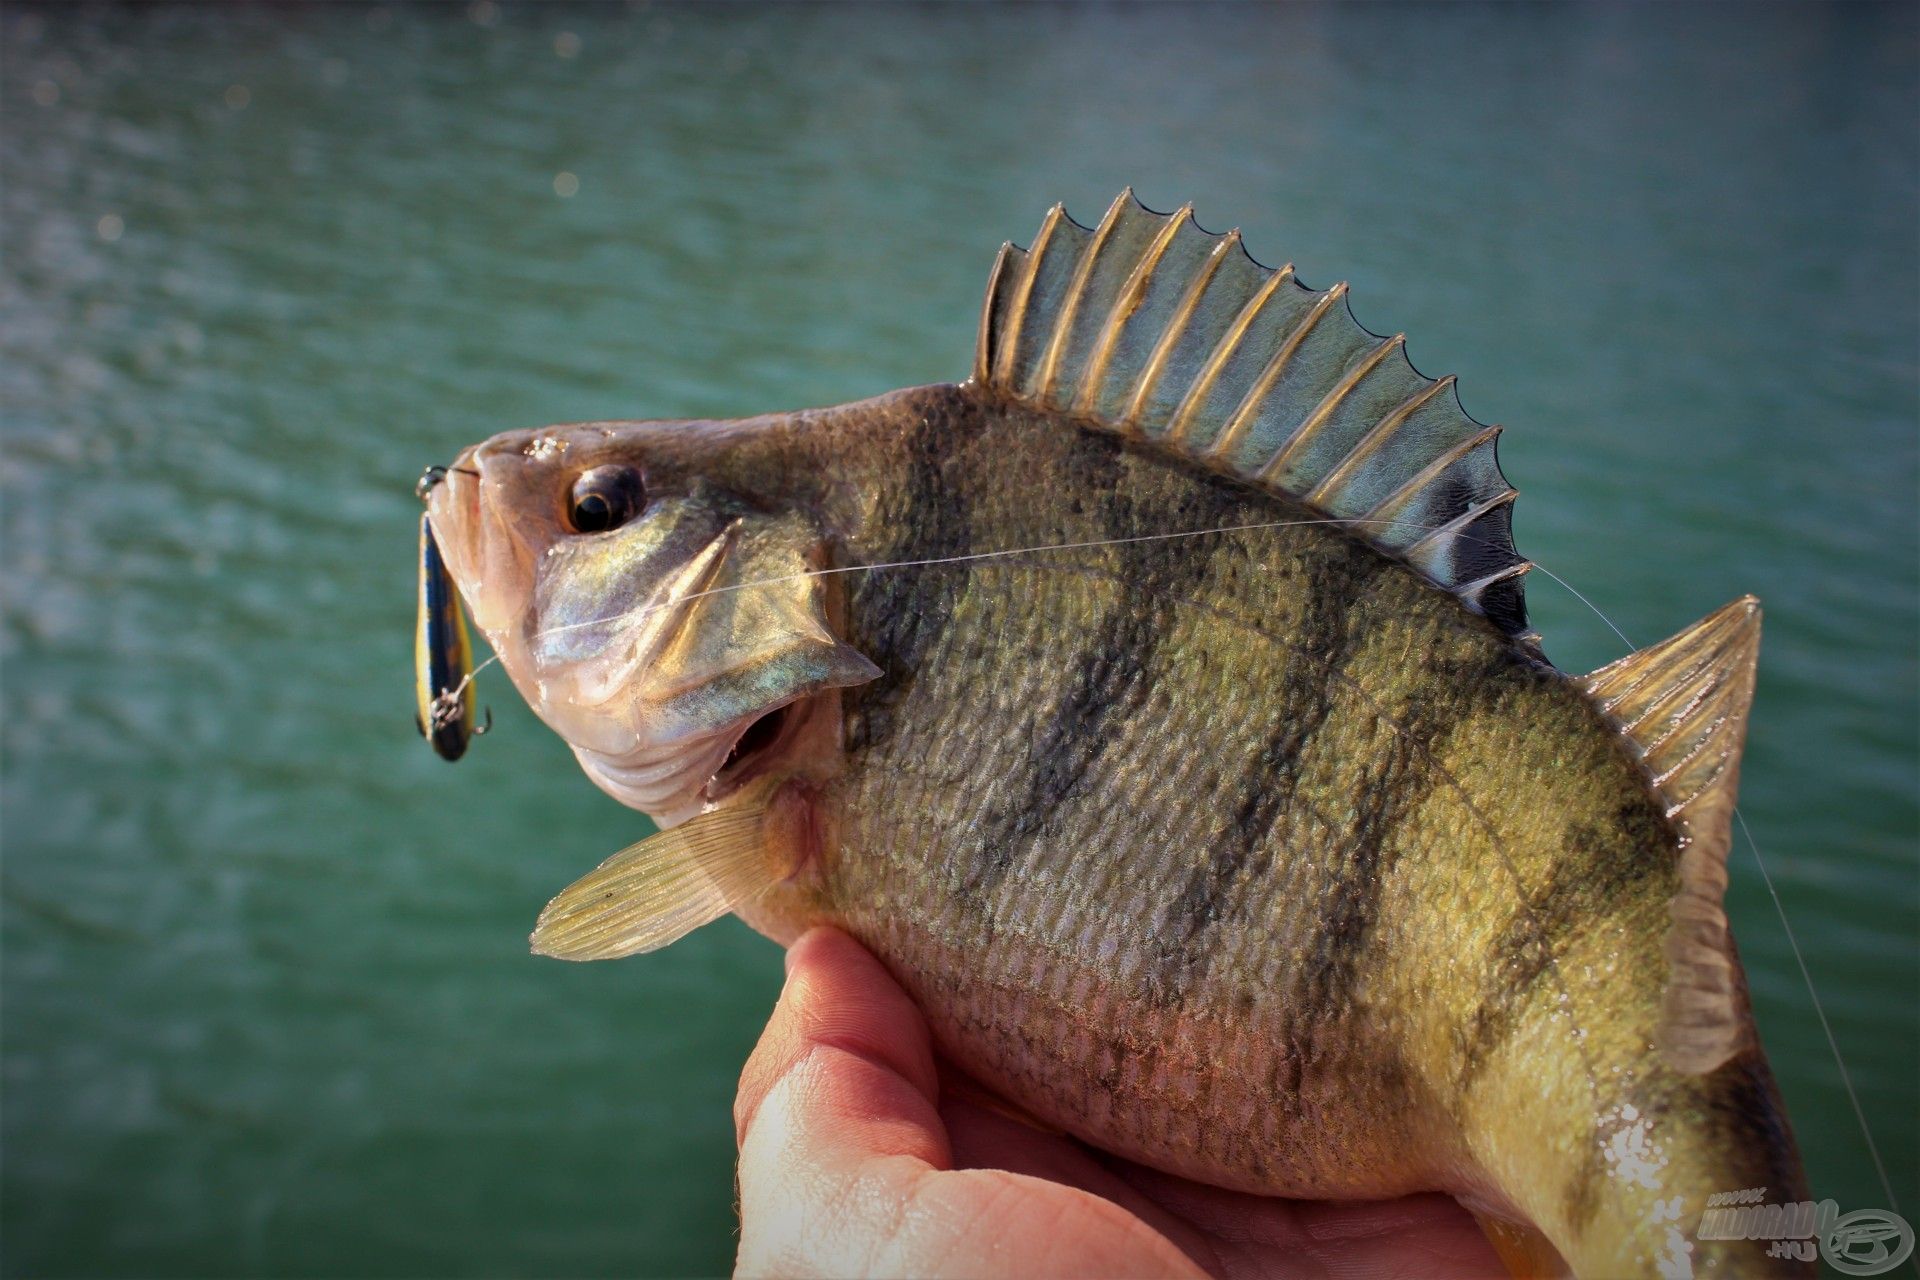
column 1148, row 326
column 1683, row 704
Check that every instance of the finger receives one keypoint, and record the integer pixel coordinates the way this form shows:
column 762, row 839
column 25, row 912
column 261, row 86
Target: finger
column 987, row 1137
column 835, row 1116
column 845, row 1167
column 1427, row 1236
column 839, row 1002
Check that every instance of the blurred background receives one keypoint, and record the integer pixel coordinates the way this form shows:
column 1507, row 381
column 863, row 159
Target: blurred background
column 268, row 1008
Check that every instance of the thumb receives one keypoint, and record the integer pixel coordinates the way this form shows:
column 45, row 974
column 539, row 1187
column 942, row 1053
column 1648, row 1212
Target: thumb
column 835, row 1115
column 845, row 1165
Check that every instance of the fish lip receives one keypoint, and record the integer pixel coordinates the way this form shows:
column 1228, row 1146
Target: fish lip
column 454, row 499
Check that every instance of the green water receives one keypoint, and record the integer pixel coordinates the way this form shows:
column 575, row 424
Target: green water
column 267, row 1002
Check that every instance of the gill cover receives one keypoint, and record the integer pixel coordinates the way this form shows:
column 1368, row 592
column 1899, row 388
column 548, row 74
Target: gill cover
column 658, row 645
column 756, row 636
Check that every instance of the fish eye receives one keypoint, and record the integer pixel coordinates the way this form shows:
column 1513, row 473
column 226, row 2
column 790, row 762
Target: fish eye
column 605, row 498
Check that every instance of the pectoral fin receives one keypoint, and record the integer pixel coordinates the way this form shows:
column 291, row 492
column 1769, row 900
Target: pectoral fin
column 663, row 888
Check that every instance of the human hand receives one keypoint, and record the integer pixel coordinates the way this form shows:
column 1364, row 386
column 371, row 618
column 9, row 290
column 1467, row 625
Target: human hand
column 855, row 1162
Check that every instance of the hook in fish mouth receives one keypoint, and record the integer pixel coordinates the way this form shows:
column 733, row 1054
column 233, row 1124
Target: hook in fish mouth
column 432, row 476
column 429, row 478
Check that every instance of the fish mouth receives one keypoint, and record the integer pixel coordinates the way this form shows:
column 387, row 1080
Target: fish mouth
column 671, row 783
column 759, row 746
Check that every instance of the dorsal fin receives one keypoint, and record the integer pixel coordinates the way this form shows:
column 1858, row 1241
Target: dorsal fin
column 1683, row 704
column 1150, row 327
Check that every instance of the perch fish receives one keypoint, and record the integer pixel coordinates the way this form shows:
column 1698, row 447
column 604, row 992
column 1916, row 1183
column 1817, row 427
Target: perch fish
column 1159, row 705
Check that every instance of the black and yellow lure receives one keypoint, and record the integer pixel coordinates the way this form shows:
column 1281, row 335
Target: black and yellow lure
column 445, row 709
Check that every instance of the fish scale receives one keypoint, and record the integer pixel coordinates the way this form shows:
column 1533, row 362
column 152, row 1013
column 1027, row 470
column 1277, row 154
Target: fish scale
column 1039, row 916
column 1160, row 707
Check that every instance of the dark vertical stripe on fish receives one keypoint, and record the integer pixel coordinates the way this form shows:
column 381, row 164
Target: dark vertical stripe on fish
column 1325, row 642
column 904, row 613
column 1109, row 681
column 1393, row 783
column 1598, row 866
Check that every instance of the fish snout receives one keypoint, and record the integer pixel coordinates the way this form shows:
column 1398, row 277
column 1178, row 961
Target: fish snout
column 453, row 499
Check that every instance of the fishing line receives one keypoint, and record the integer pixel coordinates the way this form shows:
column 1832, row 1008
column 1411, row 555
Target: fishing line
column 1873, row 1148
column 1513, row 872
column 1526, row 906
column 1766, row 876
column 452, row 696
column 643, row 610
column 1793, row 943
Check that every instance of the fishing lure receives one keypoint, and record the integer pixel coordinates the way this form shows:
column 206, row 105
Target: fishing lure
column 444, row 699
